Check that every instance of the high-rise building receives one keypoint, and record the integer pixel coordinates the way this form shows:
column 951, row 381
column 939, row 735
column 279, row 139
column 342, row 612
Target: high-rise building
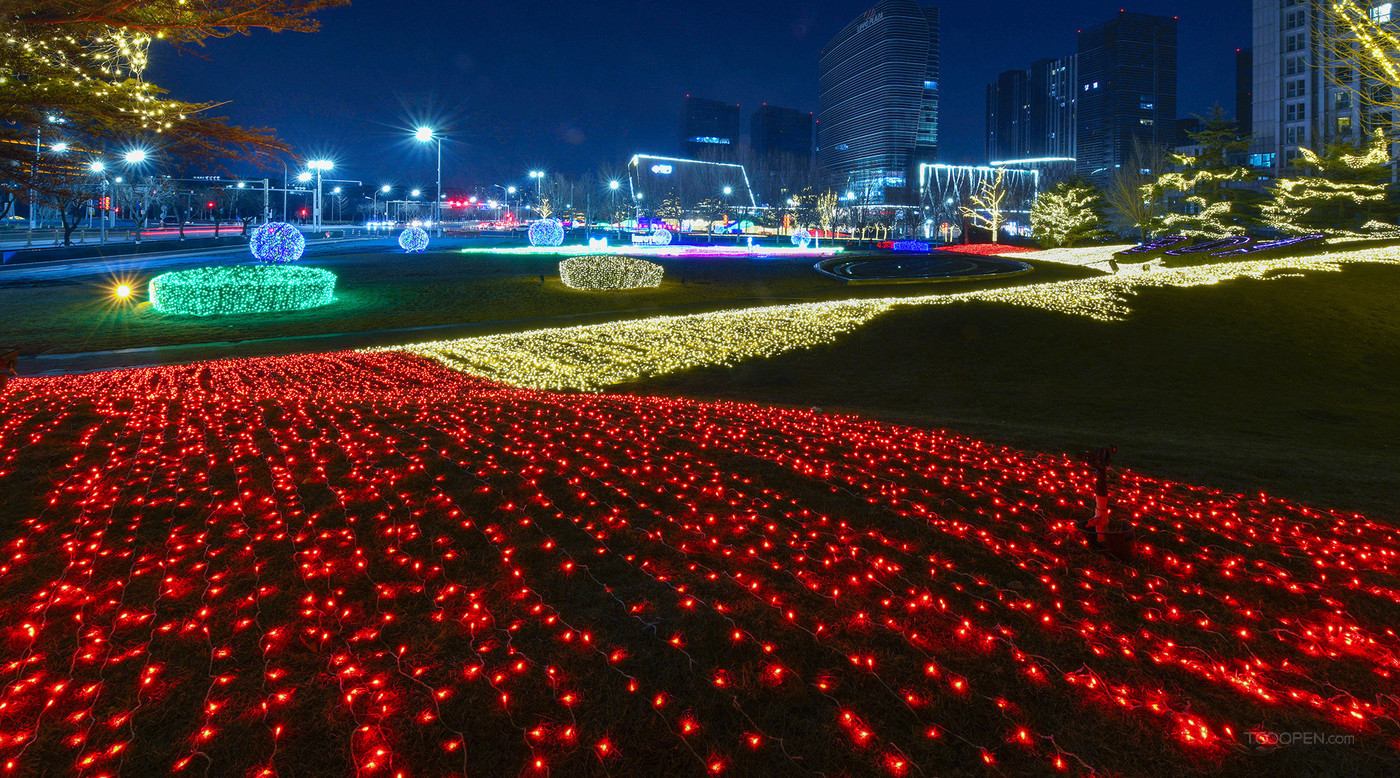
column 709, row 129
column 1296, row 104
column 1008, row 116
column 1031, row 114
column 781, row 131
column 1053, row 108
column 1127, row 90
column 879, row 102
column 1244, row 91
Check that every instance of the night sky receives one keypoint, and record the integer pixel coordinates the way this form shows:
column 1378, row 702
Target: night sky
column 571, row 86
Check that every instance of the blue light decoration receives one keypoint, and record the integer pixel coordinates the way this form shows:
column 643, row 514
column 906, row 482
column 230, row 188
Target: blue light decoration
column 801, row 238
column 1272, row 245
column 1153, row 247
column 277, row 243
column 547, row 232
column 1220, row 248
column 1210, row 246
column 661, row 237
column 911, row 246
column 414, row 240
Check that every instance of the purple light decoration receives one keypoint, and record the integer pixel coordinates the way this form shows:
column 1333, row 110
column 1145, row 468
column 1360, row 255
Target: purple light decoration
column 665, row 252
column 911, row 246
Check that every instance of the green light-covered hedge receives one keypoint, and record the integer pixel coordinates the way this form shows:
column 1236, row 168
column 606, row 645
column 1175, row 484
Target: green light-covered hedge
column 216, row 291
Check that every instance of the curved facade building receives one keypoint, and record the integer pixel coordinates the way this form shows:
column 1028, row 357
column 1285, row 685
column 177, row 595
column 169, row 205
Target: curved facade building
column 879, row 102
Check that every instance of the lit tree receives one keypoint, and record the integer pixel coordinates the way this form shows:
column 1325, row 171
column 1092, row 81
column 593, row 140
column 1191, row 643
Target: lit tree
column 1213, row 209
column 1070, row 213
column 1341, row 192
column 826, row 210
column 83, row 61
column 1361, row 52
column 986, row 206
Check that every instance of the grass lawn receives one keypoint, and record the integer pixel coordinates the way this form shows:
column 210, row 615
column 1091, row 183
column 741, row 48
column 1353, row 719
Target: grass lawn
column 379, row 290
column 1290, row 385
column 374, row 565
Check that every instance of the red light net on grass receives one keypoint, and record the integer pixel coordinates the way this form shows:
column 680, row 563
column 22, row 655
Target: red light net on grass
column 988, row 249
column 356, row 564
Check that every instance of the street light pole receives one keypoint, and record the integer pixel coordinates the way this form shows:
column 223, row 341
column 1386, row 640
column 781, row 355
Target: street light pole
column 424, row 135
column 318, row 165
column 438, row 220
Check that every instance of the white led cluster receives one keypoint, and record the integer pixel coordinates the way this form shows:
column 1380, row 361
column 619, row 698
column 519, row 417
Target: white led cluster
column 593, row 357
column 609, row 272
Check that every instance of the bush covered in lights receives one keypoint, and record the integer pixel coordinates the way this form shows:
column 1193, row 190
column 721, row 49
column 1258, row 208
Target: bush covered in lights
column 213, row 291
column 547, row 232
column 609, row 272
column 414, row 240
column 277, row 243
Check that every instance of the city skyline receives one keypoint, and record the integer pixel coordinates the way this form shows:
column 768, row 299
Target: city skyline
column 513, row 96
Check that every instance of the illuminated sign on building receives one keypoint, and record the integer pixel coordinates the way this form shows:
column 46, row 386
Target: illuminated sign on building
column 662, row 170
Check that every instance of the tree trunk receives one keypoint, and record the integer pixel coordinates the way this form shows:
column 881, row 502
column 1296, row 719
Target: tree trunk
column 67, row 227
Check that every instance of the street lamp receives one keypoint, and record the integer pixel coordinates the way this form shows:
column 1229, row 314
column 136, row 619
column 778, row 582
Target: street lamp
column 99, row 168
column 135, row 158
column 428, row 135
column 39, row 149
column 538, row 175
column 384, row 190
column 320, row 166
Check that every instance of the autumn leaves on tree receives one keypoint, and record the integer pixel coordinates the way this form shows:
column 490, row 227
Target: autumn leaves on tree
column 74, row 70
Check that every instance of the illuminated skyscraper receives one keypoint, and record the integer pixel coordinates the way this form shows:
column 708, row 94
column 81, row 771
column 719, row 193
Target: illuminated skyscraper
column 879, row 102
